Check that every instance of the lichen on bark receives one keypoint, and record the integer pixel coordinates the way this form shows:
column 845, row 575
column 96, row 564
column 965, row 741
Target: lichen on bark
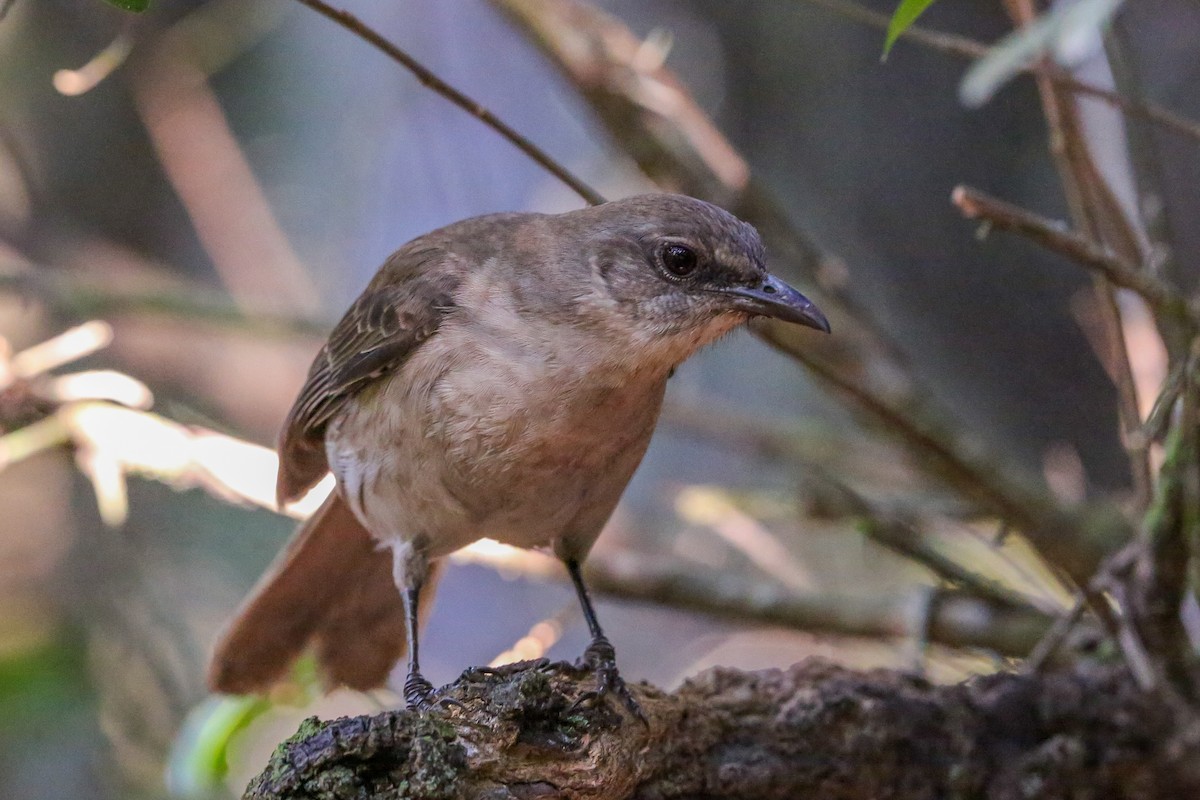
column 814, row 730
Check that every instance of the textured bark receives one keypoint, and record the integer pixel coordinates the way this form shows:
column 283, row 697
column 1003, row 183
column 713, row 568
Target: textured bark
column 814, row 730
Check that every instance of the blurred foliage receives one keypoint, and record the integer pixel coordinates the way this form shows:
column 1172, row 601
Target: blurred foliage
column 902, row 19
column 199, row 761
column 40, row 682
column 1067, row 33
column 198, row 765
column 137, row 6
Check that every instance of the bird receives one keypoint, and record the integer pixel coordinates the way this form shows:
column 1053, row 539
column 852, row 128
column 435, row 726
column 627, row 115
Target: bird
column 499, row 377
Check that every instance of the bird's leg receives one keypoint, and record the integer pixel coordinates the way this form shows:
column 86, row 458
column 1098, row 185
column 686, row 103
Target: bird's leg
column 411, row 571
column 417, row 691
column 600, row 655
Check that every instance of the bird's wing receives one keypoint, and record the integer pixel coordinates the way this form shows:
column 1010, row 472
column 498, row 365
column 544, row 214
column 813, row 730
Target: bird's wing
column 403, row 307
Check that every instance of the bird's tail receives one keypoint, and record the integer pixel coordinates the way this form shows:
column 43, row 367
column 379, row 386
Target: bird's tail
column 331, row 588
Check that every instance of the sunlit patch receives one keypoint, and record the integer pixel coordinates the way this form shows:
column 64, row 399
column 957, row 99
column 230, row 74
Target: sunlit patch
column 107, row 477
column 714, row 509
column 115, row 387
column 535, row 644
column 74, row 82
column 510, row 562
column 70, row 345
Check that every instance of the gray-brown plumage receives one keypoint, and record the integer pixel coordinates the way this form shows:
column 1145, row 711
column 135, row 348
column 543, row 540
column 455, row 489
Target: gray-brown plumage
column 499, row 377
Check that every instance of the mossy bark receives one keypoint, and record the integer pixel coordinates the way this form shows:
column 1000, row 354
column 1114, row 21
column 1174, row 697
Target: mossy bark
column 814, row 730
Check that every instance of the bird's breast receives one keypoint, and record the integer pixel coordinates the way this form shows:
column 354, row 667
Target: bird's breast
column 494, row 435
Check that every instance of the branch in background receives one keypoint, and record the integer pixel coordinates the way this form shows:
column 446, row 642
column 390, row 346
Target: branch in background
column 83, row 298
column 959, row 619
column 1097, row 214
column 1074, row 541
column 805, row 444
column 1040, row 657
column 972, row 49
column 654, row 119
column 431, row 80
column 146, row 444
column 1056, row 237
column 901, row 538
column 1146, row 159
column 1115, row 593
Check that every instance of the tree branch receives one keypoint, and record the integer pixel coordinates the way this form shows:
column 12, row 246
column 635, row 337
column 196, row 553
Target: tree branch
column 960, row 619
column 1056, row 237
column 1096, row 212
column 814, row 730
column 84, row 298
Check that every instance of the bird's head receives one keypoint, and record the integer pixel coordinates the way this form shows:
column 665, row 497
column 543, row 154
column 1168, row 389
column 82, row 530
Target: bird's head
column 681, row 271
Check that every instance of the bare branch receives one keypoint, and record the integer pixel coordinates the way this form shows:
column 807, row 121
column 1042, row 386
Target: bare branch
column 1095, row 212
column 1040, row 656
column 83, row 298
column 1171, row 526
column 431, row 80
column 959, row 620
column 1056, row 237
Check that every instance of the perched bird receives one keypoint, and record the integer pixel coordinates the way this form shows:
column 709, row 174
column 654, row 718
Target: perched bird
column 499, row 377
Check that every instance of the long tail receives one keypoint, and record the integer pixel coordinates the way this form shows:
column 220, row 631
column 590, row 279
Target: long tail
column 331, row 587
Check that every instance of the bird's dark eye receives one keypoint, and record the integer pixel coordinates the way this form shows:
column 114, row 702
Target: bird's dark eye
column 679, row 260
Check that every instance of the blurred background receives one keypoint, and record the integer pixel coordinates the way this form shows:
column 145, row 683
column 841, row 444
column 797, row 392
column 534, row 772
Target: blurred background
column 190, row 197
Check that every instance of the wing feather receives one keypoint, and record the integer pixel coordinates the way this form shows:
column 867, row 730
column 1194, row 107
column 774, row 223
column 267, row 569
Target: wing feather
column 401, row 308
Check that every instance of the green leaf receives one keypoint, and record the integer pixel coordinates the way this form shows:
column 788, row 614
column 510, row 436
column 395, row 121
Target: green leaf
column 137, row 6
column 198, row 761
column 905, row 15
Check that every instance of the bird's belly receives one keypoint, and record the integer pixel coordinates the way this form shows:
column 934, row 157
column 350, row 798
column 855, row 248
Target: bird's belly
column 486, row 450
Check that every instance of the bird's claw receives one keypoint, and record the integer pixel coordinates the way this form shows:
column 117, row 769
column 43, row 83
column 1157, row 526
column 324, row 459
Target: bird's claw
column 601, row 659
column 421, row 696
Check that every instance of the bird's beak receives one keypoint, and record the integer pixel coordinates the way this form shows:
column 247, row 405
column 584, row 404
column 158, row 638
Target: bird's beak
column 774, row 298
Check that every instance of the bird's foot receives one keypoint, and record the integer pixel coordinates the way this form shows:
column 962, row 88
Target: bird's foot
column 601, row 659
column 421, row 696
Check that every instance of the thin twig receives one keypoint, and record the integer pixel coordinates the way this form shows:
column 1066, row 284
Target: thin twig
column 1006, row 629
column 1097, row 214
column 1055, row 236
column 86, row 299
column 898, row 535
column 1074, row 542
column 1158, row 421
column 902, row 539
column 1054, row 638
column 432, row 81
column 948, row 43
column 972, row 49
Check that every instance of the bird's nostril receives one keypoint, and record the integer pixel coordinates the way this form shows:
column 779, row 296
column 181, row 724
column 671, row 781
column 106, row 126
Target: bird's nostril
column 768, row 288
